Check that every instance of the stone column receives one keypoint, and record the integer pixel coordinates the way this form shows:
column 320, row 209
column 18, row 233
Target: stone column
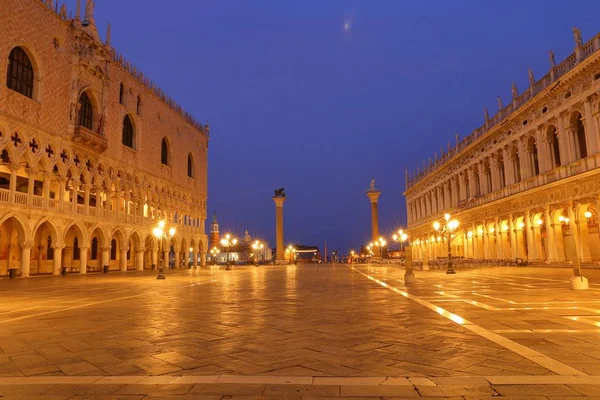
column 46, row 190
column 461, row 187
column 447, row 195
column 564, row 142
column 123, row 259
column 186, row 256
column 139, row 258
column 279, row 243
column 61, row 194
column 374, row 198
column 166, row 259
column 177, row 259
column 472, row 183
column 495, row 171
column 105, row 255
column 155, row 257
column 590, row 128
column 513, row 237
column 74, row 191
column 531, row 250
column 30, row 183
column 550, row 246
column 195, row 260
column 86, row 198
column 13, row 182
column 25, row 258
column 486, row 242
column 83, row 258
column 57, row 265
column 203, row 259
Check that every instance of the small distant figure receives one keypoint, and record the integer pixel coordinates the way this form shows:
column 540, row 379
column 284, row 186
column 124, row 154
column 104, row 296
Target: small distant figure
column 577, row 37
column 372, row 187
column 279, row 192
column 552, row 59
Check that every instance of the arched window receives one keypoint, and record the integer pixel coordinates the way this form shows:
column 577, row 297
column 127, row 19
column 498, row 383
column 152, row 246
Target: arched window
column 535, row 163
column 121, row 93
column 128, row 132
column 190, row 166
column 113, row 249
column 467, row 187
column 94, row 250
column 86, row 112
column 19, row 76
column 164, row 152
column 580, row 137
column 49, row 249
column 556, row 149
column 76, row 249
column 516, row 163
column 138, row 108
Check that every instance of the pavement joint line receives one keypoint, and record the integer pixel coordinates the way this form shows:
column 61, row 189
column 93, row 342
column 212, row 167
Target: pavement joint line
column 583, row 320
column 541, row 330
column 304, row 380
column 88, row 304
column 524, row 351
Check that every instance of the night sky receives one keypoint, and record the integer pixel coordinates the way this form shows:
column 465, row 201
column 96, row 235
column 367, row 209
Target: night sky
column 321, row 96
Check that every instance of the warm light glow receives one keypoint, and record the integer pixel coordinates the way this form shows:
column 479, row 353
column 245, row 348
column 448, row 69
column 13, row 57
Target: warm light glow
column 539, row 222
column 157, row 232
column 479, row 231
column 567, row 220
column 161, row 224
column 403, row 237
column 395, row 237
column 171, row 231
column 521, row 225
column 191, row 249
column 492, row 230
column 224, row 242
column 561, row 218
column 439, row 238
column 504, row 228
column 436, row 225
column 453, row 224
column 234, row 242
column 588, row 214
column 228, row 236
column 470, row 234
column 447, row 217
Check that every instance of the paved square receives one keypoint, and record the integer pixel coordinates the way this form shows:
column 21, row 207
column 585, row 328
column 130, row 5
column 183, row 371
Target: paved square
column 295, row 330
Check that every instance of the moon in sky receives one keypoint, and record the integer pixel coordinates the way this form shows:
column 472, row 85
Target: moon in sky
column 346, row 26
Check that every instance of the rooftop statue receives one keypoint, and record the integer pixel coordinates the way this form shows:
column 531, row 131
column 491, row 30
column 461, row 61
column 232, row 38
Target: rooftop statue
column 279, row 193
column 552, row 59
column 577, row 37
column 372, row 187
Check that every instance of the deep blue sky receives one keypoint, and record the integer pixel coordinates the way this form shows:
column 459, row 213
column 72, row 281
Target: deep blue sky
column 296, row 101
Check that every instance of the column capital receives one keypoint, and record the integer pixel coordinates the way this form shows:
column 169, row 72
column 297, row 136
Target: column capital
column 26, row 244
column 105, row 248
column 373, row 196
column 139, row 249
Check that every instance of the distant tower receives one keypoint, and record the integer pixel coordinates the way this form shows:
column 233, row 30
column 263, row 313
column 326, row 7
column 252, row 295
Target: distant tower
column 214, row 231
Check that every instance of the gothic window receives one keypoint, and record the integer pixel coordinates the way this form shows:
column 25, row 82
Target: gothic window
column 19, row 76
column 49, row 249
column 128, row 134
column 76, row 252
column 164, row 152
column 94, row 249
column 138, row 108
column 121, row 94
column 113, row 249
column 190, row 166
column 85, row 111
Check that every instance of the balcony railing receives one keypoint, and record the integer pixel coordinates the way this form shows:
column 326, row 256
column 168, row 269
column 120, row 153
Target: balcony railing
column 562, row 172
column 91, row 139
column 546, row 81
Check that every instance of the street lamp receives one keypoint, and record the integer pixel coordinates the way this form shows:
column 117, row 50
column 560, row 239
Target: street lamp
column 161, row 233
column 447, row 228
column 381, row 244
column 214, row 251
column 401, row 237
column 226, row 242
column 351, row 256
column 291, row 253
column 257, row 246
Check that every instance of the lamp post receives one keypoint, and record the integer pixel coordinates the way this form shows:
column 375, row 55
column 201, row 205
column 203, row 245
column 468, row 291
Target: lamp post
column 578, row 281
column 214, row 251
column 381, row 243
column 291, row 253
column 447, row 228
column 351, row 256
column 226, row 242
column 161, row 233
column 401, row 237
column 257, row 246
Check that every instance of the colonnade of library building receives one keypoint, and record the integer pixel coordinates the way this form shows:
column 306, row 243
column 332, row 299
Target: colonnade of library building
column 526, row 181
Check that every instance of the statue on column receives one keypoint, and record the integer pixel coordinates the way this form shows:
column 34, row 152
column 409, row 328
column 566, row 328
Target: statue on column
column 372, row 186
column 552, row 59
column 531, row 78
column 577, row 37
column 515, row 92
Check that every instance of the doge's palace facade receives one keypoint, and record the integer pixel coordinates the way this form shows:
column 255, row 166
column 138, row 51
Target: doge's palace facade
column 93, row 154
column 526, row 179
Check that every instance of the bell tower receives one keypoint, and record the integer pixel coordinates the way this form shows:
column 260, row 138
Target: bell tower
column 214, row 232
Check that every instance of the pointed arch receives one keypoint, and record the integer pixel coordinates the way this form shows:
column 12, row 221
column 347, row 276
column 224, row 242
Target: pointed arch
column 20, row 73
column 165, row 151
column 128, row 132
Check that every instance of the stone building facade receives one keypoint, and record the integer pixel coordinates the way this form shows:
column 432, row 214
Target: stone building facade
column 93, row 154
column 524, row 181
